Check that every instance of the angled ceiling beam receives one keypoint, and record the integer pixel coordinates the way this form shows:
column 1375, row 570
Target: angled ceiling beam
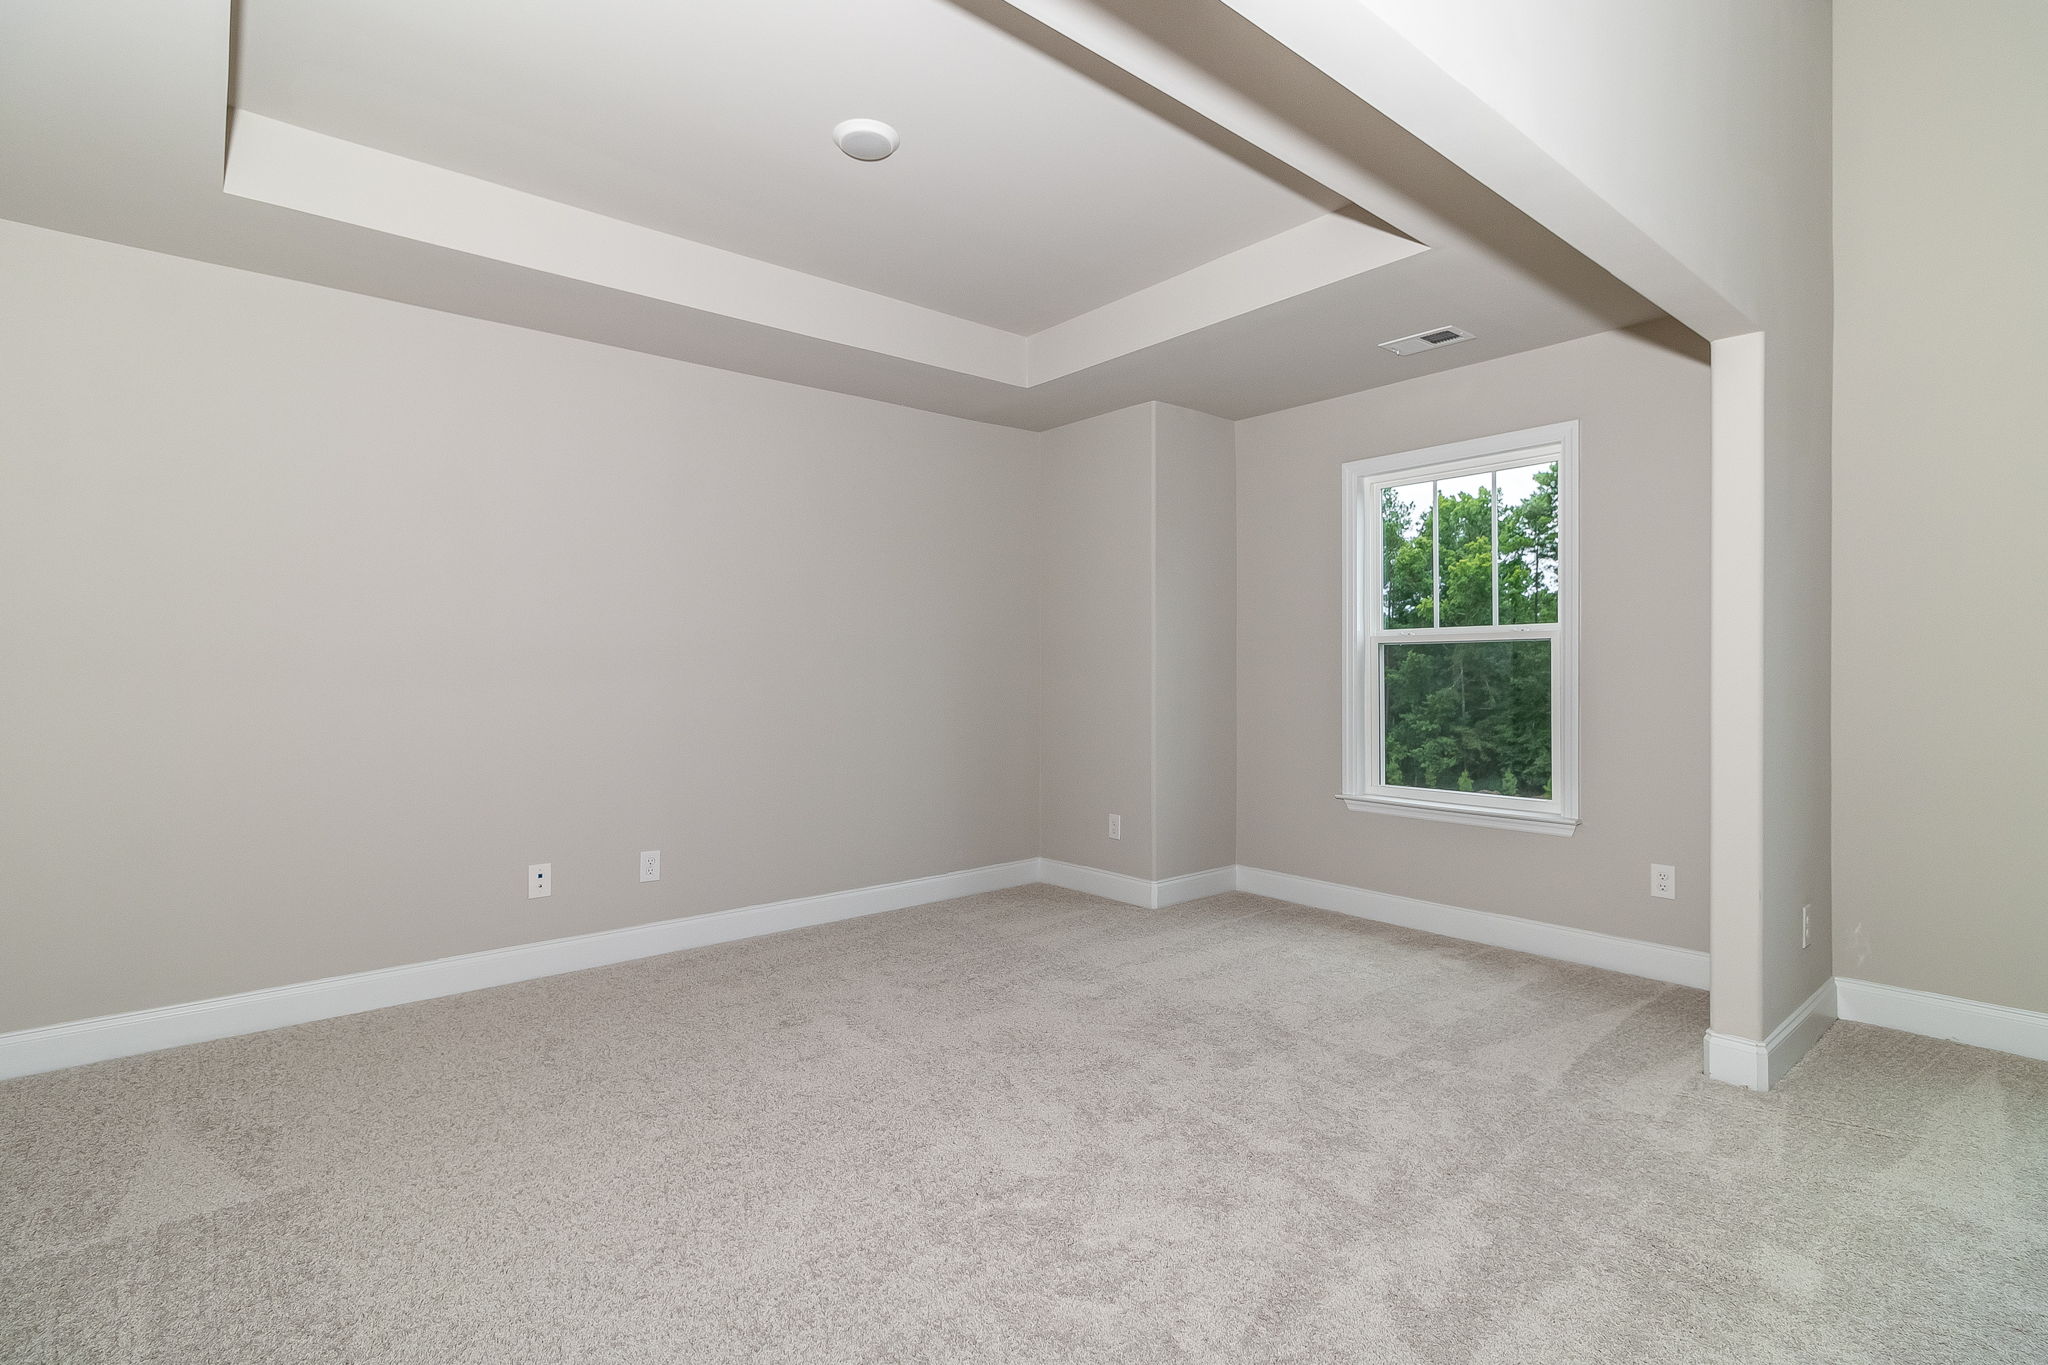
column 1357, row 49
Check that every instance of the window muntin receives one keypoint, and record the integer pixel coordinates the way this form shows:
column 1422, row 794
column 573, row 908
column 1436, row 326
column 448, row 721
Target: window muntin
column 1460, row 650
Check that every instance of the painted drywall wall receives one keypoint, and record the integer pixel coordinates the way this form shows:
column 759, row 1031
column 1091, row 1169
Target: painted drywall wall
column 325, row 616
column 1194, row 724
column 1641, row 398
column 1095, row 665
column 1941, row 341
column 1686, row 148
column 1138, row 707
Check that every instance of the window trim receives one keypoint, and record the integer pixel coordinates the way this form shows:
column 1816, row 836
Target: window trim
column 1363, row 711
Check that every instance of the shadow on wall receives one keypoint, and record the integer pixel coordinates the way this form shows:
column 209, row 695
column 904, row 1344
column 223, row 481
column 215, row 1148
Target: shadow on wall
column 1674, row 336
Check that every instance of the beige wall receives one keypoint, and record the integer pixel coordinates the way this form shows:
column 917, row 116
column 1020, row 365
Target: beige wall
column 1685, row 147
column 1138, row 702
column 325, row 616
column 1641, row 398
column 1195, row 642
column 328, row 615
column 1095, row 667
column 1941, row 753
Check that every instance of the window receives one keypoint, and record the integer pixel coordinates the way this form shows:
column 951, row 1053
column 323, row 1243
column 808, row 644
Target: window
column 1461, row 632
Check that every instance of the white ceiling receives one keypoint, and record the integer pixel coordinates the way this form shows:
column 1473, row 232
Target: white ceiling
column 1024, row 193
column 526, row 161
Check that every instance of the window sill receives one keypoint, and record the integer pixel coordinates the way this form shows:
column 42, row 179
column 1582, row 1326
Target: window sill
column 1530, row 822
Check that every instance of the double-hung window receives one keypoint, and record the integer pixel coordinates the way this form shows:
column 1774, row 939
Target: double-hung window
column 1461, row 632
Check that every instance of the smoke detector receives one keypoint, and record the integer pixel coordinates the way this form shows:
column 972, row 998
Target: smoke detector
column 865, row 139
column 1426, row 341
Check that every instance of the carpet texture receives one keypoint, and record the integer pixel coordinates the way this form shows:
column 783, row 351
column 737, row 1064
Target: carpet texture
column 1030, row 1126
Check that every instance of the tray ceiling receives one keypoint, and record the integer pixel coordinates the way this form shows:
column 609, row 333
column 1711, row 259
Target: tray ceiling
column 1024, row 194
column 1084, row 214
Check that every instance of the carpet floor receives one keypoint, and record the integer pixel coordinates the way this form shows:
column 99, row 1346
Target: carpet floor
column 1030, row 1126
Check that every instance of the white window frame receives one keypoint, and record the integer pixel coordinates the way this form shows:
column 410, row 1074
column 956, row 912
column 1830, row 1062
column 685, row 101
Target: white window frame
column 1365, row 788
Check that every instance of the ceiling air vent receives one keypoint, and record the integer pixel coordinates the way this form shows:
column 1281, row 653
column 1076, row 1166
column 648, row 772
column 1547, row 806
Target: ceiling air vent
column 1426, row 341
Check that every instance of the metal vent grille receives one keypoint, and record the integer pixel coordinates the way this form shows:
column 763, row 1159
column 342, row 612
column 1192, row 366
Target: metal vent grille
column 1426, row 341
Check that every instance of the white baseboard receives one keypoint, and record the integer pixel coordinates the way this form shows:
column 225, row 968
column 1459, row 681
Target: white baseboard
column 123, row 1035
column 1193, row 886
column 1735, row 1061
column 1999, row 1027
column 1738, row 1061
column 1116, row 886
column 1150, row 895
column 1759, row 1066
column 1659, row 962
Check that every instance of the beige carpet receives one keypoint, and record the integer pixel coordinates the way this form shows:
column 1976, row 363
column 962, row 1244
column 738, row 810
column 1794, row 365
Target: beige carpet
column 1030, row 1126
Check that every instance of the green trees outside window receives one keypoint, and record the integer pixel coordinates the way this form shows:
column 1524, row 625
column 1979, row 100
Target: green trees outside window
column 1479, row 550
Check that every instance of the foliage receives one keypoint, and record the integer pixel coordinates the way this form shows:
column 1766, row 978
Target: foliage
column 1470, row 715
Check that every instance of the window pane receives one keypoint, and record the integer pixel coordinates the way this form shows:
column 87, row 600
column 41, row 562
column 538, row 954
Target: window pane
column 1405, row 574
column 1468, row 716
column 1464, row 550
column 1528, row 544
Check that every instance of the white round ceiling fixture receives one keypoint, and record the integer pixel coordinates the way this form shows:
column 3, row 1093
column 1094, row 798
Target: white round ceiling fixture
column 865, row 139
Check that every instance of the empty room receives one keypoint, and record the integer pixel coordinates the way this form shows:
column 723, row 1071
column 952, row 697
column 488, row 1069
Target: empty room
column 1022, row 681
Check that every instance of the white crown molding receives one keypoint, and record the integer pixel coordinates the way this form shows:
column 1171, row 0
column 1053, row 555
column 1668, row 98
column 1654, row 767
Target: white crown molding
column 1658, row 961
column 1759, row 1066
column 122, row 1035
column 1999, row 1027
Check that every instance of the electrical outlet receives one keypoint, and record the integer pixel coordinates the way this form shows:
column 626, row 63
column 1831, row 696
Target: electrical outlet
column 650, row 865
column 1806, row 926
column 1116, row 827
column 540, row 880
column 1664, row 881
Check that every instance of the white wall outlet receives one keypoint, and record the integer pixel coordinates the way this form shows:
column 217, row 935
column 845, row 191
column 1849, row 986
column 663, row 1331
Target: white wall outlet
column 650, row 865
column 1664, row 881
column 540, row 880
column 1116, row 827
column 1806, row 926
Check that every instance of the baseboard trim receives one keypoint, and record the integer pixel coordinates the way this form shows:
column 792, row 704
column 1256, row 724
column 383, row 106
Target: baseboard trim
column 2001, row 1028
column 1658, row 961
column 1759, row 1066
column 1149, row 895
column 121, row 1035
column 1116, row 886
column 1737, row 1061
column 1193, row 886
